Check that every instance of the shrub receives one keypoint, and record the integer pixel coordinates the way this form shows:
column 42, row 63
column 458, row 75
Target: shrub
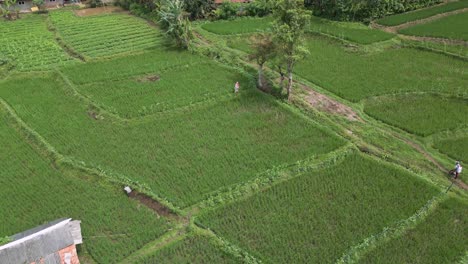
column 259, row 8
column 227, row 10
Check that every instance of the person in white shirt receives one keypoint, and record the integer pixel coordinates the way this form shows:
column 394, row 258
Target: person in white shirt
column 458, row 169
column 236, row 88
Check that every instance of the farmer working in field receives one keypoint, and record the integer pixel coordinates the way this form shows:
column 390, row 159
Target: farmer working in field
column 457, row 170
column 236, row 88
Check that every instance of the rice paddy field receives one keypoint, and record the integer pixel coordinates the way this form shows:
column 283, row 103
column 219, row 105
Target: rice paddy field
column 450, row 27
column 99, row 102
column 423, row 13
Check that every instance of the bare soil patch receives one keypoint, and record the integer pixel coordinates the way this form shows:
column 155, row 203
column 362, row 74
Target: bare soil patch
column 149, row 78
column 99, row 10
column 153, row 205
column 327, row 104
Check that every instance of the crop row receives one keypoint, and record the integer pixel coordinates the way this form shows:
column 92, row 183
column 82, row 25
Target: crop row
column 181, row 156
column 104, row 35
column 320, row 214
column 112, row 225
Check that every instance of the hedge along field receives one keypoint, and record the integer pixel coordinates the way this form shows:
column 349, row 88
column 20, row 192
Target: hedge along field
column 356, row 75
column 354, row 32
column 441, row 238
column 320, row 215
column 165, row 90
column 182, row 155
column 193, row 249
column 420, row 114
column 34, row 192
column 455, row 148
column 28, row 45
column 451, row 27
column 421, row 14
column 105, row 35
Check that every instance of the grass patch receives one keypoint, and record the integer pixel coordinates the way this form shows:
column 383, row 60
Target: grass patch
column 321, row 214
column 183, row 155
column 451, row 27
column 419, row 114
column 421, row 14
column 35, row 192
column 193, row 249
column 28, row 45
column 441, row 238
column 356, row 75
column 164, row 89
column 105, row 35
column 455, row 148
column 239, row 26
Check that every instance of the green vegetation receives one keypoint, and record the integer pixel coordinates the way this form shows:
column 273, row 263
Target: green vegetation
column 193, row 249
column 183, row 155
column 436, row 240
column 105, row 35
column 451, row 27
column 356, row 75
column 165, row 89
column 419, row 114
column 26, row 44
column 421, row 14
column 35, row 192
column 239, row 26
column 354, row 32
column 321, row 214
column 455, row 148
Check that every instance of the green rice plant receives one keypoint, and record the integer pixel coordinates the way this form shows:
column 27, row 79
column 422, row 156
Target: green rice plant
column 122, row 68
column 354, row 32
column 165, row 89
column 356, row 75
column 193, row 249
column 451, row 27
column 35, row 192
column 27, row 45
column 455, row 148
column 423, row 13
column 320, row 214
column 422, row 114
column 239, row 26
column 456, row 50
column 105, row 35
column 441, row 238
column 183, row 155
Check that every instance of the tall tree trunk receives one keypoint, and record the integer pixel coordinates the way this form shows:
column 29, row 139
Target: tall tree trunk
column 290, row 80
column 260, row 75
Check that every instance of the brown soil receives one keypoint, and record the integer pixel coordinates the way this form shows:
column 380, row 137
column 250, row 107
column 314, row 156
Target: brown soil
column 153, row 205
column 99, row 10
column 395, row 29
column 149, row 78
column 93, row 115
column 327, row 104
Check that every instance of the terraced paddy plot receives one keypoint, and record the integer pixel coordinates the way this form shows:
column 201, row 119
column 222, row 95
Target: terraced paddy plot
column 182, row 155
column 105, row 35
column 320, row 215
column 28, row 45
column 193, row 249
column 164, row 90
column 35, row 192
column 356, row 75
column 455, row 148
column 439, row 239
column 239, row 26
column 423, row 13
column 450, row 27
column 420, row 114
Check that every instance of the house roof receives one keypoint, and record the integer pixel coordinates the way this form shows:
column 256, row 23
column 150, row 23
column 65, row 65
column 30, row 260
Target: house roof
column 42, row 242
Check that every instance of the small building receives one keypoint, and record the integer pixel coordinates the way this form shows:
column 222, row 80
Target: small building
column 26, row 5
column 52, row 243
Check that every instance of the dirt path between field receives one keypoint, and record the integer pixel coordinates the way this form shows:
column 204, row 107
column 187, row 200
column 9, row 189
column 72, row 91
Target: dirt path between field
column 327, row 104
column 99, row 11
column 395, row 29
column 154, row 205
